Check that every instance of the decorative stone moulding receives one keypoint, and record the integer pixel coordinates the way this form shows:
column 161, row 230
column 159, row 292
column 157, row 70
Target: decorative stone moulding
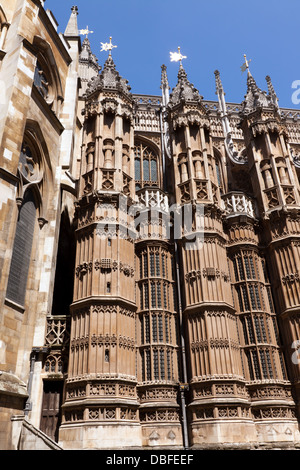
column 83, row 269
column 291, row 278
column 209, row 273
column 104, row 264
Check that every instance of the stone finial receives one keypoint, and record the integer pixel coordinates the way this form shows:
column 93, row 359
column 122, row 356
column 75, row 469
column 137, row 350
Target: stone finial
column 164, row 86
column 219, row 86
column 255, row 97
column 72, row 26
column 164, row 77
column 271, row 91
column 87, row 58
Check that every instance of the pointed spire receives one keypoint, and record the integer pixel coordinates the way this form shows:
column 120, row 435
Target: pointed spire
column 164, row 86
column 182, row 75
column 72, row 26
column 271, row 91
column 229, row 144
column 87, row 57
column 88, row 65
column 219, row 86
column 255, row 97
column 86, row 50
column 251, row 83
column 220, row 93
column 164, row 77
column 109, row 64
column 184, row 90
column 109, row 79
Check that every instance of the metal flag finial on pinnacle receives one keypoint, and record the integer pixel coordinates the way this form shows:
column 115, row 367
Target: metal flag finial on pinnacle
column 177, row 56
column 245, row 65
column 107, row 46
column 85, row 32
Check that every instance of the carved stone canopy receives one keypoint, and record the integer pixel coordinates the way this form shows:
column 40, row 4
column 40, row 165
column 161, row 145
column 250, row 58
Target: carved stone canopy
column 256, row 98
column 109, row 79
column 87, row 57
column 184, row 90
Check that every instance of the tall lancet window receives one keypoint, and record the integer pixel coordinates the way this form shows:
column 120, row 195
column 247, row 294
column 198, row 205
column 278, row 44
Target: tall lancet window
column 29, row 200
column 21, row 254
column 41, row 81
column 145, row 166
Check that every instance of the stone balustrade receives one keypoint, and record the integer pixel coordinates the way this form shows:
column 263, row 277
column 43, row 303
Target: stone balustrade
column 237, row 203
column 153, row 198
column 57, row 330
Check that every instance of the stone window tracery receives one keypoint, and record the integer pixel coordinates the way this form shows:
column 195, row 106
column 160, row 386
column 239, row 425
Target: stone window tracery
column 145, row 166
column 157, row 363
column 156, row 318
column 29, row 201
column 261, row 364
column 248, row 285
column 46, row 80
column 258, row 324
column 41, row 81
column 155, row 262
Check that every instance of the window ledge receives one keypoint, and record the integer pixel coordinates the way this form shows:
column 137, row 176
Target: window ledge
column 14, row 305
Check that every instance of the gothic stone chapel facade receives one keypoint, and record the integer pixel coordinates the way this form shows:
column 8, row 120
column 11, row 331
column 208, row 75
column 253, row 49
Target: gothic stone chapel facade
column 149, row 254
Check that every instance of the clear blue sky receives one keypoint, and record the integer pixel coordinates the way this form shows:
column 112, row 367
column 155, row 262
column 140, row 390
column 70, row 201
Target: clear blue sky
column 212, row 34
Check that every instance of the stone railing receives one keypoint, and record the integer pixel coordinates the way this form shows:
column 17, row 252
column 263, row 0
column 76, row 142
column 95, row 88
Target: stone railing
column 237, row 203
column 57, row 330
column 153, row 198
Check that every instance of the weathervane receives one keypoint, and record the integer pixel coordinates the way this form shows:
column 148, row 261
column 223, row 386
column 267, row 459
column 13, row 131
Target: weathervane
column 177, row 56
column 85, row 32
column 245, row 66
column 107, row 46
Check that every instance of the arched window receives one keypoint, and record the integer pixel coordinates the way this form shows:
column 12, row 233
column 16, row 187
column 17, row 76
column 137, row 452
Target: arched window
column 145, row 166
column 41, row 80
column 31, row 171
column 46, row 76
column 21, row 254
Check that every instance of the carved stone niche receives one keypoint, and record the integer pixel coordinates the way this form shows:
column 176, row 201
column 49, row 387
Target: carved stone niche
column 282, row 171
column 267, row 173
column 90, row 151
column 125, row 159
column 109, row 105
column 108, row 153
